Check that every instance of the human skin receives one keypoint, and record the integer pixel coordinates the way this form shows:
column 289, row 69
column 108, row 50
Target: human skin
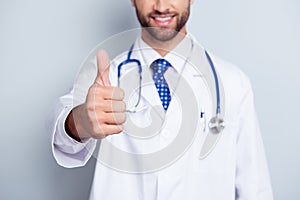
column 163, row 24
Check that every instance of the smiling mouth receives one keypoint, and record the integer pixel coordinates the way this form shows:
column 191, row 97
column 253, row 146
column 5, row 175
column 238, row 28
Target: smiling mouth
column 163, row 20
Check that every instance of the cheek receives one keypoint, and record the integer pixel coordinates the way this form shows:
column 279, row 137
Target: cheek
column 141, row 8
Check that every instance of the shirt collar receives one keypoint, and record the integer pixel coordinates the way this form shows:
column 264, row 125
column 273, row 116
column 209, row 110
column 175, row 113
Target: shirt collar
column 177, row 57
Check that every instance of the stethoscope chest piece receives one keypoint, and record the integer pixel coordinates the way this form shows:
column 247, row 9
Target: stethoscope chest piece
column 216, row 125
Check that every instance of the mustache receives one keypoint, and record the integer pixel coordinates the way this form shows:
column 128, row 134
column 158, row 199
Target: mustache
column 159, row 14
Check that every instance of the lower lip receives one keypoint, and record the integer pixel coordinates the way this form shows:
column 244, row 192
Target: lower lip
column 164, row 23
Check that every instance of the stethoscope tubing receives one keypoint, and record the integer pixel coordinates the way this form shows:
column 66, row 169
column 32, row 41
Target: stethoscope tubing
column 218, row 109
column 130, row 60
column 216, row 124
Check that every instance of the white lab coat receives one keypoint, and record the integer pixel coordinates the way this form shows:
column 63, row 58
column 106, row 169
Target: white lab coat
column 235, row 169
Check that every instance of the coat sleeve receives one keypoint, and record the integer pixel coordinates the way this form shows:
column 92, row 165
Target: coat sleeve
column 252, row 176
column 67, row 151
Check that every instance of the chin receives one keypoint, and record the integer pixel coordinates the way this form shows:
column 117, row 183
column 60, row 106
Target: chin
column 162, row 33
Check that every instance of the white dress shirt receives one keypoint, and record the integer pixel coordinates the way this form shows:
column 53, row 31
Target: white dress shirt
column 235, row 169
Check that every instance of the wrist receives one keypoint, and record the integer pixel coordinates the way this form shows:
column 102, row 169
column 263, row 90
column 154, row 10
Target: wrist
column 72, row 128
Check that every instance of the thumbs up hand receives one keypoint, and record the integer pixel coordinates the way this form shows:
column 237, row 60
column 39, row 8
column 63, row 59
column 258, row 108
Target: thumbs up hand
column 103, row 64
column 103, row 112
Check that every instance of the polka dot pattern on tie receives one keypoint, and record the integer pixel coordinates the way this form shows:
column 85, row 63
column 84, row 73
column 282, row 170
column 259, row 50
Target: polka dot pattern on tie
column 159, row 67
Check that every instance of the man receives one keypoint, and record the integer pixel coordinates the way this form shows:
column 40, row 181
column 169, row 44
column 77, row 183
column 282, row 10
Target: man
column 235, row 169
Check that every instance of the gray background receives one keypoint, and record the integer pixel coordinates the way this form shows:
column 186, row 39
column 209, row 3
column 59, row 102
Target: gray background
column 42, row 44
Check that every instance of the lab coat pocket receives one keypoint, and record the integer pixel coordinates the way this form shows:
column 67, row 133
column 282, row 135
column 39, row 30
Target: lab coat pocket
column 220, row 154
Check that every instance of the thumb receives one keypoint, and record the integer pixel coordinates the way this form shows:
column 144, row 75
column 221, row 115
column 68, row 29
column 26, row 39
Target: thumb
column 103, row 65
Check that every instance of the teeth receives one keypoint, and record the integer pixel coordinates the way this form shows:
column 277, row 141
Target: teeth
column 162, row 19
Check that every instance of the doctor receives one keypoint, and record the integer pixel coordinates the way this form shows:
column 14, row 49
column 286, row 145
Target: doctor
column 235, row 169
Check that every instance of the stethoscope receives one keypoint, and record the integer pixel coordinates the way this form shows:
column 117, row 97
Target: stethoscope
column 216, row 124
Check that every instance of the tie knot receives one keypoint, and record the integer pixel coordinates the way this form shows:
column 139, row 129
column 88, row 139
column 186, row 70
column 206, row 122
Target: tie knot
column 160, row 66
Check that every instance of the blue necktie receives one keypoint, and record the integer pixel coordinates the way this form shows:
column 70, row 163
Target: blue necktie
column 159, row 67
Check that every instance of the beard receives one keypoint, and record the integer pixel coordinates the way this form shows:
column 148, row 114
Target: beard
column 163, row 33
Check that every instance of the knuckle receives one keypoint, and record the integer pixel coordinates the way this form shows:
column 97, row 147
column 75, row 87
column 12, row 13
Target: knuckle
column 118, row 93
column 123, row 106
column 122, row 117
column 122, row 94
column 119, row 106
column 114, row 93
